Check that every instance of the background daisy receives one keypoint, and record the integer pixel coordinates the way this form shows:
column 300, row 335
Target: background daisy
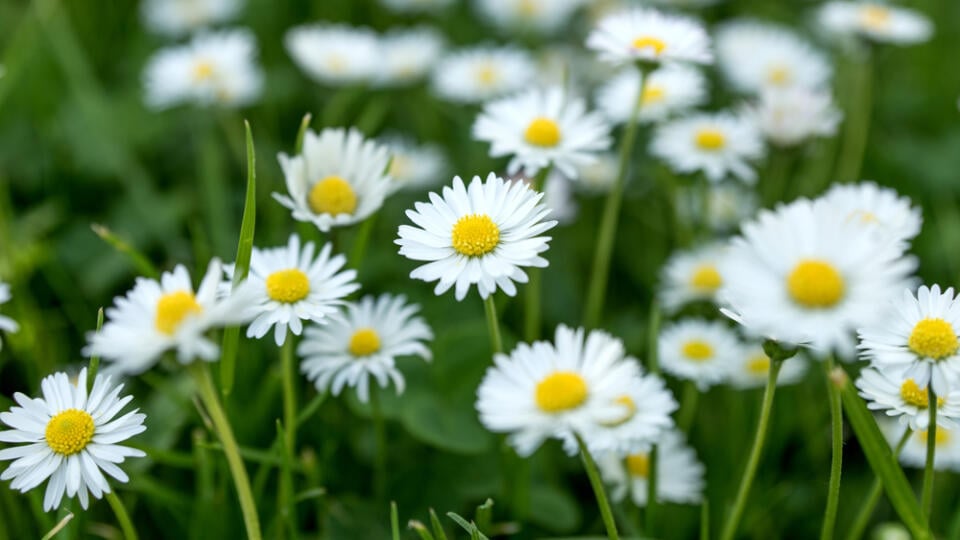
column 698, row 350
column 481, row 73
column 179, row 17
column 679, row 473
column 718, row 145
column 790, row 117
column 872, row 20
column 648, row 35
column 751, row 368
column 670, row 89
column 335, row 54
column 6, row 323
column 691, row 275
column 892, row 215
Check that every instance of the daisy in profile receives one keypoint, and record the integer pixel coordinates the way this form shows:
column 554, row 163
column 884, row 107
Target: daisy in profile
column 679, row 472
column 417, row 6
column 413, row 166
column 157, row 316
column 407, row 56
column 337, row 180
column 364, row 342
column 893, row 216
column 293, row 286
column 6, row 323
column 545, row 390
column 482, row 234
column 914, row 453
column 699, row 351
column 875, row 21
column 920, row 336
column 70, row 438
column 180, row 17
column 217, row 68
column 752, row 368
column 691, row 275
column 542, row 16
column 668, row 90
column 794, row 116
column 717, row 144
column 889, row 391
column 335, row 54
column 541, row 128
column 648, row 35
column 482, row 73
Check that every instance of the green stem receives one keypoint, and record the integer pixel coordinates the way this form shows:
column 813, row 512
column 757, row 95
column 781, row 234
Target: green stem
column 926, row 499
column 493, row 326
column 873, row 497
column 688, row 406
column 651, row 511
column 129, row 532
column 288, row 375
column 857, row 121
column 211, row 401
column 605, row 512
column 776, row 182
column 753, row 461
column 360, row 242
column 380, row 446
column 532, row 314
column 836, row 458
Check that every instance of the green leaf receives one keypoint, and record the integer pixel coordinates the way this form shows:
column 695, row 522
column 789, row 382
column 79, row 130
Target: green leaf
column 484, row 515
column 450, row 428
column 468, row 526
column 437, row 526
column 420, row 529
column 554, row 509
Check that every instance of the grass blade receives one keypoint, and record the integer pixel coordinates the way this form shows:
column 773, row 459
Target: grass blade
column 139, row 260
column 437, row 526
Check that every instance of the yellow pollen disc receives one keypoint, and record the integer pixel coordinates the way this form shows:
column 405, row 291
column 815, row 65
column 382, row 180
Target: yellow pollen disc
column 759, row 365
column 697, row 350
column 172, row 308
column 332, row 195
column 202, row 70
column 488, row 75
column 779, row 76
column 706, row 278
column 631, row 409
column 933, row 338
column 561, row 391
column 542, row 132
column 652, row 94
column 815, row 284
column 916, row 396
column 942, row 437
column 69, row 432
column 475, row 235
column 638, row 465
column 650, row 42
column 364, row 341
column 710, row 139
column 288, row 286
column 874, row 16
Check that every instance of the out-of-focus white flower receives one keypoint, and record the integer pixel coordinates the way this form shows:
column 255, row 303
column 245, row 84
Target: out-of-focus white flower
column 558, row 197
column 691, row 275
column 792, row 116
column 718, row 144
column 698, row 350
column 6, row 323
column 481, row 73
column 668, row 90
column 407, row 56
column 648, row 35
column 914, row 453
column 728, row 204
column 541, row 16
column 878, row 207
column 599, row 176
column 679, row 473
column 875, row 21
column 180, row 17
column 752, row 368
column 335, row 54
column 414, row 167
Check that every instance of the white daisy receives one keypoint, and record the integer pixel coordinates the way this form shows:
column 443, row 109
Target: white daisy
column 156, row 316
column 755, row 55
column 793, row 116
column 920, row 336
column 180, row 17
column 69, row 437
column 541, row 128
column 599, row 176
column 414, row 167
column 482, row 234
column 416, row 6
column 805, row 274
column 718, row 144
column 691, row 275
column 882, row 208
column 914, row 453
column 648, row 35
column 335, row 54
column 217, row 68
column 670, row 89
column 679, row 473
column 292, row 286
column 888, row 390
column 365, row 341
column 559, row 390
column 875, row 21
column 558, row 197
column 482, row 73
column 407, row 56
column 6, row 323
column 543, row 16
column 698, row 350
column 728, row 204
column 752, row 367
column 338, row 179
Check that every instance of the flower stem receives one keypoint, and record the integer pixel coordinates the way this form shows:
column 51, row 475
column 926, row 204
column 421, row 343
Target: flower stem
column 688, row 406
column 493, row 326
column 380, row 446
column 288, row 507
column 605, row 512
column 926, row 498
column 857, row 121
column 129, row 532
column 211, row 401
column 750, row 471
column 873, row 497
column 532, row 314
column 836, row 458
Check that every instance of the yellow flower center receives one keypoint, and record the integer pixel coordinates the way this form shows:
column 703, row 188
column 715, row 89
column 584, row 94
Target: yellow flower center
column 652, row 94
column 332, row 195
column 561, row 391
column 202, row 70
column 288, row 286
column 916, row 396
column 874, row 16
column 779, row 75
column 528, row 8
column 942, row 437
column 488, row 74
column 364, row 341
column 172, row 308
column 631, row 409
column 69, row 432
column 933, row 338
column 710, row 139
column 475, row 235
column 863, row 216
column 650, row 42
column 706, row 278
column 697, row 350
column 758, row 365
column 638, row 465
column 815, row 284
column 542, row 132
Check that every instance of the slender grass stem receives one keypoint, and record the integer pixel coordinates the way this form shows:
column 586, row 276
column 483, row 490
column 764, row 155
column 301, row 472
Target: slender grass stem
column 653, row 364
column 123, row 518
column 493, row 325
column 650, row 516
column 533, row 293
column 857, row 121
column 873, row 497
column 836, row 454
column 926, row 498
column 605, row 512
column 688, row 406
column 288, row 375
column 380, row 446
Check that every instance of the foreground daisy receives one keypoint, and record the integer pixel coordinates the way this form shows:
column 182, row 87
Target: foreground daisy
column 179, row 17
column 407, row 56
column 414, row 167
column 891, row 215
column 338, row 179
column 216, row 68
column 157, row 316
column 717, row 144
column 668, row 90
column 793, row 116
column 478, row 235
column 482, row 73
column 542, row 16
column 875, row 21
column 752, row 368
column 698, row 350
column 679, row 473
column 888, row 390
column 691, row 275
column 70, row 438
column 6, row 323
column 545, row 390
column 292, row 286
column 542, row 128
column 364, row 342
column 334, row 54
column 647, row 35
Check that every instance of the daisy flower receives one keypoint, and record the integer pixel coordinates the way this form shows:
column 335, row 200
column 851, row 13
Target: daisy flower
column 292, row 286
column 806, row 274
column 416, row 6
column 691, row 275
column 157, row 316
column 70, row 438
column 6, row 323
column 558, row 197
column 698, row 350
column 883, row 208
column 648, row 35
column 889, row 391
column 407, row 56
column 752, row 367
column 364, row 342
column 920, row 336
column 337, row 180
column 542, row 128
column 874, row 21
column 180, row 17
column 599, row 176
column 482, row 73
column 668, row 90
column 414, row 167
column 544, row 390
column 543, row 16
column 914, row 453
column 793, row 116
column 482, row 234
column 718, row 144
column 679, row 473
column 335, row 54
column 217, row 68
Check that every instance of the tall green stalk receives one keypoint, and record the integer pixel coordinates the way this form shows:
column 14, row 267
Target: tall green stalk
column 123, row 518
column 857, row 120
column 493, row 325
column 926, row 500
column 533, row 293
column 836, row 454
column 605, row 512
column 873, row 496
column 380, row 446
column 288, row 376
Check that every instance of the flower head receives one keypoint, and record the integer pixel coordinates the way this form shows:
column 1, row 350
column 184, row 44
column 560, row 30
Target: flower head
column 679, row 472
column 793, row 116
column 668, row 90
column 414, row 167
column 543, row 16
column 875, row 21
column 648, row 35
column 888, row 390
column 691, row 275
column 892, row 216
column 180, row 17
column 482, row 73
column 408, row 56
column 334, row 54
column 698, row 350
column 752, row 367
column 719, row 145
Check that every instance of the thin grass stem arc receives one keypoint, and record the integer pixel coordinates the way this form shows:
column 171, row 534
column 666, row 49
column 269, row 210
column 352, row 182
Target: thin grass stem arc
column 873, row 497
column 926, row 497
column 289, row 378
column 493, row 324
column 123, row 518
column 533, row 291
column 380, row 445
column 598, row 490
column 836, row 453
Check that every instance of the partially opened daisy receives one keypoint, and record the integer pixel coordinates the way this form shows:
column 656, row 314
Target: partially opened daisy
column 888, row 390
column 291, row 286
column 919, row 335
column 407, row 56
column 751, row 368
column 340, row 178
column 6, row 323
column 70, row 438
column 180, row 17
column 679, row 473
column 717, row 144
column 668, row 90
column 520, row 16
column 545, row 390
column 541, row 128
column 482, row 73
column 698, row 350
column 335, row 54
column 890, row 214
column 157, row 316
column 363, row 342
column 691, row 275
column 875, row 21
column 796, row 115
column 479, row 235
column 648, row 35
column 413, row 167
